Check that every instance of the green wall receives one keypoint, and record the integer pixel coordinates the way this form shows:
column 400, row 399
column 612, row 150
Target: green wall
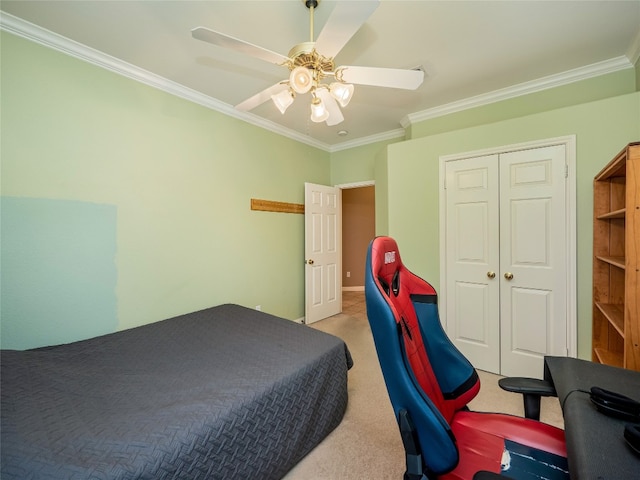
column 602, row 129
column 365, row 163
column 57, row 264
column 124, row 205
column 585, row 91
column 168, row 180
column 357, row 164
column 603, row 113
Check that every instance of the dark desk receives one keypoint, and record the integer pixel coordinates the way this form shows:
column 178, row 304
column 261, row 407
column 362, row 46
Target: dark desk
column 596, row 448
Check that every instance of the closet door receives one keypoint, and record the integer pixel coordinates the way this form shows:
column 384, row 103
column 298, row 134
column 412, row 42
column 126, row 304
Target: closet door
column 472, row 226
column 533, row 293
column 505, row 266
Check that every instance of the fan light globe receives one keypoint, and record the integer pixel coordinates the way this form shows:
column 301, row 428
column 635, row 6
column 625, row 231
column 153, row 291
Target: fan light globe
column 283, row 100
column 342, row 92
column 319, row 112
column 301, row 79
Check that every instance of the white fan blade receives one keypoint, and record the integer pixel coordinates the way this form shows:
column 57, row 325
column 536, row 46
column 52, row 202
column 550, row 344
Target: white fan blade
column 382, row 77
column 345, row 20
column 227, row 41
column 335, row 114
column 260, row 98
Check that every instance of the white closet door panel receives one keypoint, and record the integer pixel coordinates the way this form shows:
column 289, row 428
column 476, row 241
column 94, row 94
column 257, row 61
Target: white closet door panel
column 472, row 252
column 532, row 263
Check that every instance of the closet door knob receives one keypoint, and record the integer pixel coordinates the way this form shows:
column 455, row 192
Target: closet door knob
column 491, row 274
column 508, row 275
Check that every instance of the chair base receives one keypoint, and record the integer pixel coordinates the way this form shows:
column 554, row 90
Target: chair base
column 411, row 447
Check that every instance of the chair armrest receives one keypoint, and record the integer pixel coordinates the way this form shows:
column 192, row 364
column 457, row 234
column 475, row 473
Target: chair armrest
column 529, row 386
column 532, row 389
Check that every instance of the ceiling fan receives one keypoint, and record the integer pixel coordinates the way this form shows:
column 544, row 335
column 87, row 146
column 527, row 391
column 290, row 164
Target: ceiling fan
column 312, row 62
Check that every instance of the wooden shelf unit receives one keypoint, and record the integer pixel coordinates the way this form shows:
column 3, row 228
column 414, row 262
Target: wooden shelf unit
column 616, row 246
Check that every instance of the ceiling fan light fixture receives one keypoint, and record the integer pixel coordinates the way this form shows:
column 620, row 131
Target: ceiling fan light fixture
column 319, row 112
column 283, row 100
column 301, row 79
column 342, row 92
column 308, row 67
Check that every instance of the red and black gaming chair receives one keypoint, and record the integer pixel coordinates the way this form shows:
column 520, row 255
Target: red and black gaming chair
column 430, row 383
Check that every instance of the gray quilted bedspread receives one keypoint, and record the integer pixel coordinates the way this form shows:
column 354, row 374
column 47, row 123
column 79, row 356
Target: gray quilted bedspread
column 224, row 393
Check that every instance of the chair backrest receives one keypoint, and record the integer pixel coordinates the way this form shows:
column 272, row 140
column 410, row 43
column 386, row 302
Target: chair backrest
column 424, row 373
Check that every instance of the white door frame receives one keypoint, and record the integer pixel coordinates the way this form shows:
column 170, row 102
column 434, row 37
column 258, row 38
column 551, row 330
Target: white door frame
column 343, row 186
column 323, row 251
column 348, row 186
column 570, row 250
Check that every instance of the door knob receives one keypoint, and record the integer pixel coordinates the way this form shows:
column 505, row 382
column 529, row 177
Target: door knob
column 508, row 275
column 491, row 274
column 310, row 262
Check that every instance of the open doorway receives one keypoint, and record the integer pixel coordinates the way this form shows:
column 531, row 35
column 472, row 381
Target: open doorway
column 358, row 228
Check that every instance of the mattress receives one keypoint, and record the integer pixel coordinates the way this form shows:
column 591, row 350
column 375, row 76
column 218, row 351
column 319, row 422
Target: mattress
column 223, row 393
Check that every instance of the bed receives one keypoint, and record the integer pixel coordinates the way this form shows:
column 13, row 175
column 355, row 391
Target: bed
column 224, row 393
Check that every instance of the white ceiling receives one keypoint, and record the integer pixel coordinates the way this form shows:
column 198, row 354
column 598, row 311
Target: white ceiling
column 472, row 52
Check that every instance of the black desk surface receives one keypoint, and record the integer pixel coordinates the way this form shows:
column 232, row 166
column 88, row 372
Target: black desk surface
column 596, row 448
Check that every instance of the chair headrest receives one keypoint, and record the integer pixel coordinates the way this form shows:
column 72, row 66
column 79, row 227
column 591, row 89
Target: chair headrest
column 386, row 263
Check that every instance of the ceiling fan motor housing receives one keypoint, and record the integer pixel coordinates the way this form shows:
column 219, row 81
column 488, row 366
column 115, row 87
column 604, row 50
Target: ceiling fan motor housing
column 305, row 55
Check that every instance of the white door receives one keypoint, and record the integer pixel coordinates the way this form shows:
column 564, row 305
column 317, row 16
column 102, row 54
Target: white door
column 323, row 245
column 533, row 294
column 506, row 271
column 472, row 257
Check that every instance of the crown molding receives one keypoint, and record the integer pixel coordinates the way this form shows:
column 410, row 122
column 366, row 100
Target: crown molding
column 379, row 137
column 633, row 53
column 544, row 83
column 47, row 38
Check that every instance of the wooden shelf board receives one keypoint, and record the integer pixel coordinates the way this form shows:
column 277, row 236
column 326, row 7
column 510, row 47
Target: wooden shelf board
column 615, row 214
column 614, row 314
column 615, row 168
column 608, row 358
column 615, row 261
